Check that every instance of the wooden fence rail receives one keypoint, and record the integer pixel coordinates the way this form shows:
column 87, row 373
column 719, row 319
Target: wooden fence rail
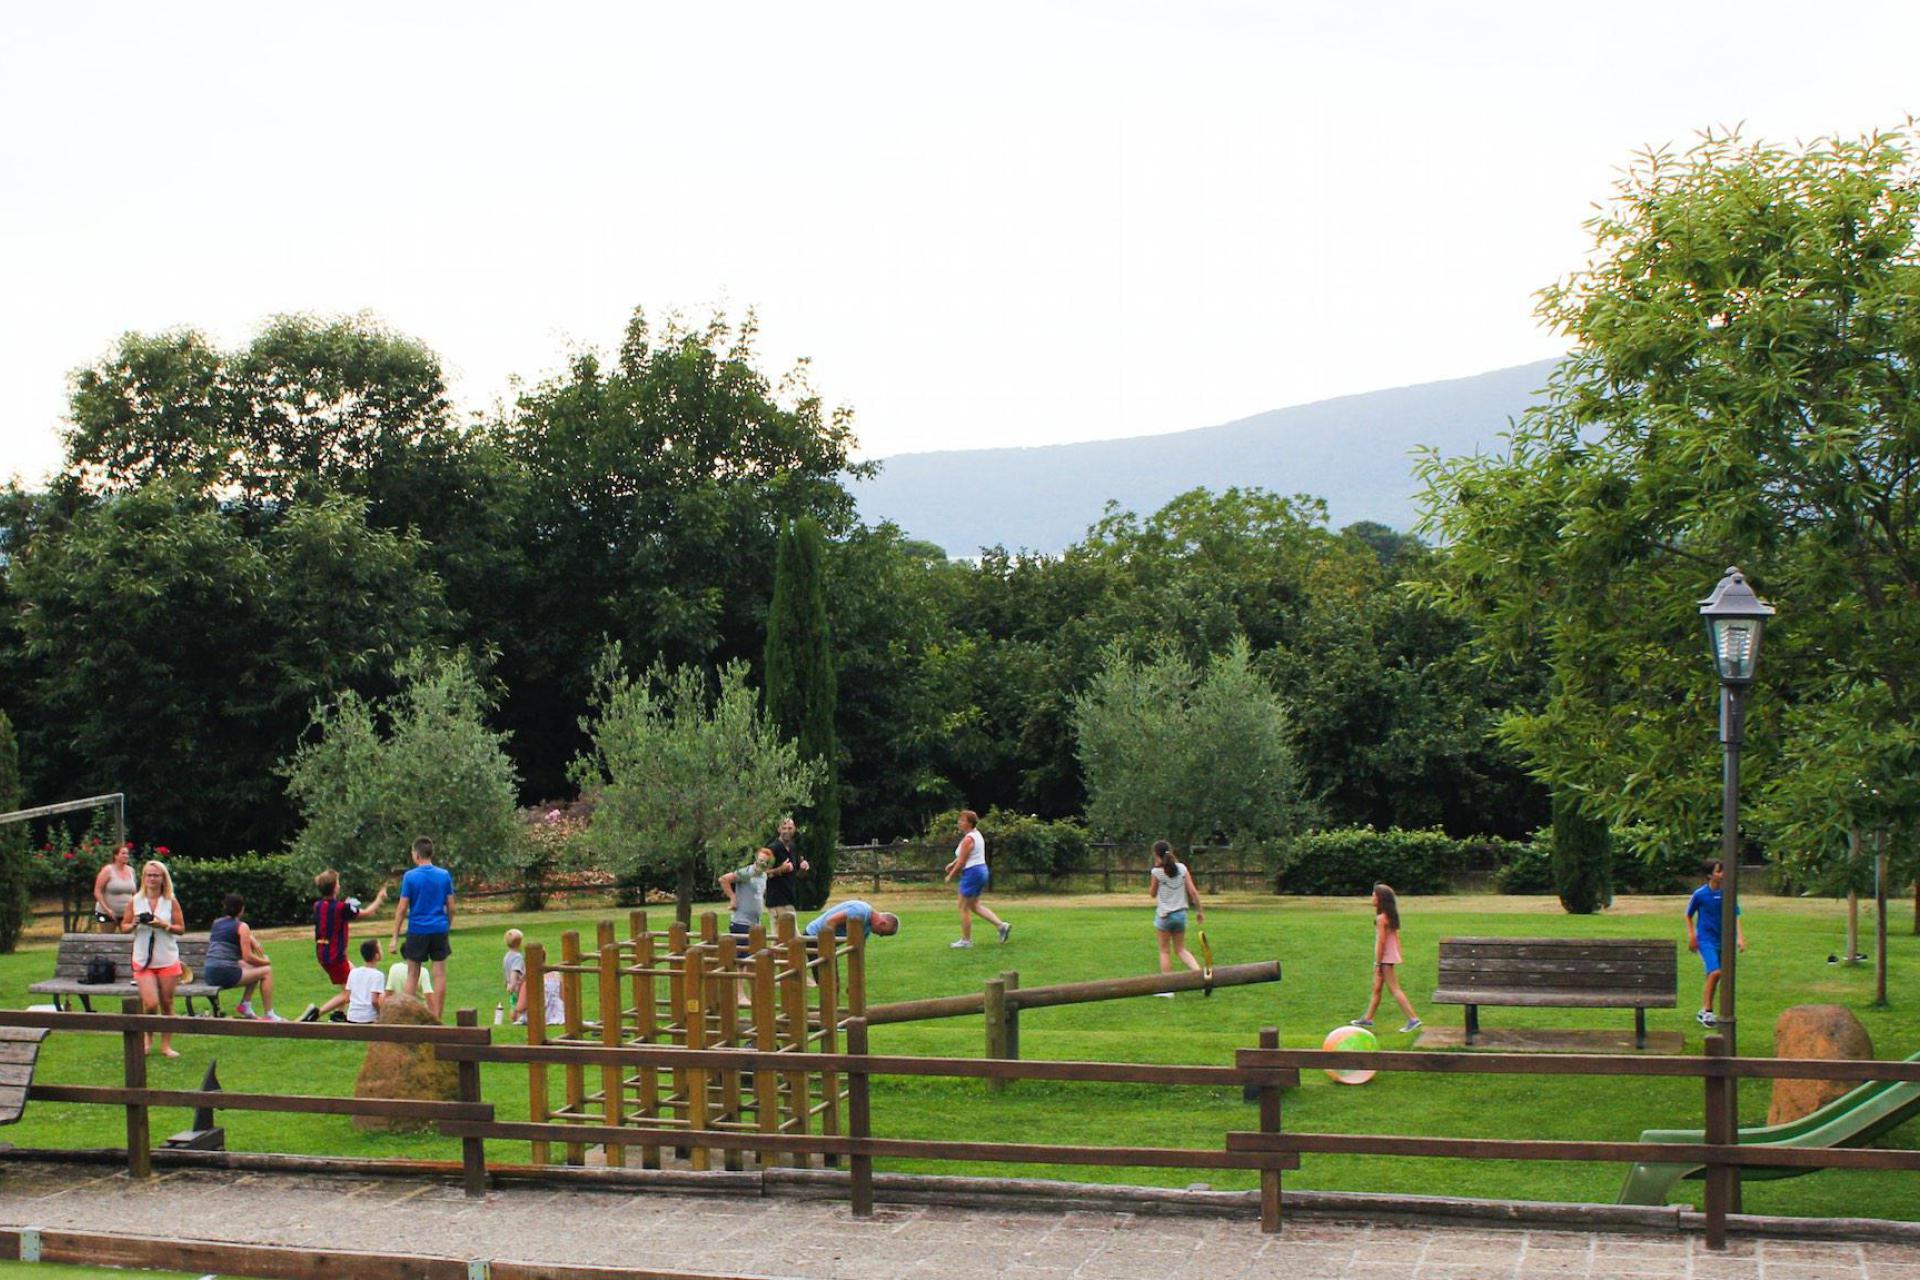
column 1722, row 1155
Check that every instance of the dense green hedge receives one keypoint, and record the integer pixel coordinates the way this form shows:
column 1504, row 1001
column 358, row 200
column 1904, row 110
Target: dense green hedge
column 1351, row 860
column 275, row 893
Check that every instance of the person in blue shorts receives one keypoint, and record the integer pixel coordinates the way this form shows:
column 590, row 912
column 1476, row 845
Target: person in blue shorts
column 426, row 911
column 1703, row 933
column 838, row 916
column 970, row 863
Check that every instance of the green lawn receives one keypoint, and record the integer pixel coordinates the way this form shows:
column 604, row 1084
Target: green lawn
column 1324, row 947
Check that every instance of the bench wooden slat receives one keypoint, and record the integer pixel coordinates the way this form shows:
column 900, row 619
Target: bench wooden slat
column 1553, row 1000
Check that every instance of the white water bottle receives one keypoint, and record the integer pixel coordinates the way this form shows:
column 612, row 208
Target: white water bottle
column 499, row 1014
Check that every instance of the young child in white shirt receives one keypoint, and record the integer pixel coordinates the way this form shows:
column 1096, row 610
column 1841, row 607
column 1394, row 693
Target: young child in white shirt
column 366, row 985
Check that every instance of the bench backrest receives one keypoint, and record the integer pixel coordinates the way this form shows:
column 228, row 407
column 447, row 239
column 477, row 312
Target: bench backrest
column 77, row 948
column 1559, row 964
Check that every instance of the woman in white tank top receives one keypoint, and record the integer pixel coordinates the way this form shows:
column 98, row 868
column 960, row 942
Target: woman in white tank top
column 970, row 864
column 155, row 920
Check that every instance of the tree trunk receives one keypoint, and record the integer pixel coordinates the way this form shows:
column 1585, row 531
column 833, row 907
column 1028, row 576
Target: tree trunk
column 1853, row 929
column 683, row 894
column 1880, row 921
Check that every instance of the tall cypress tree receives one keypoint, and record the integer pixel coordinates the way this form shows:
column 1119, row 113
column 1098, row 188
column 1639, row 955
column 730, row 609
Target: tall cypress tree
column 1582, row 857
column 13, row 843
column 801, row 691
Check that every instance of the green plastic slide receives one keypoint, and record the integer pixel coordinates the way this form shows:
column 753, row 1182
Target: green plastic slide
column 1851, row 1120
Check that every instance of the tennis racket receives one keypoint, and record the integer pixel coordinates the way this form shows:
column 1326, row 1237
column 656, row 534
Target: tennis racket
column 1206, row 965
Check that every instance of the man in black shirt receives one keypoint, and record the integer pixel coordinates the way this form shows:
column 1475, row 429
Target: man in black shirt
column 780, row 876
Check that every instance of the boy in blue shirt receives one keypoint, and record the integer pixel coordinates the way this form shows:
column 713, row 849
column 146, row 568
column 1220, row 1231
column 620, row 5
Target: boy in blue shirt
column 836, row 917
column 426, row 909
column 1703, row 933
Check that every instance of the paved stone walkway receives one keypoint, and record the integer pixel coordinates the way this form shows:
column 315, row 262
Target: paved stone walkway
column 819, row 1240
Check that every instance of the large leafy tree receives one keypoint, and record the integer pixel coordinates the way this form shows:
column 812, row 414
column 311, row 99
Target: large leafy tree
column 421, row 762
column 179, row 649
column 655, row 484
column 685, row 776
column 309, row 403
column 1741, row 389
column 802, row 694
column 1175, row 751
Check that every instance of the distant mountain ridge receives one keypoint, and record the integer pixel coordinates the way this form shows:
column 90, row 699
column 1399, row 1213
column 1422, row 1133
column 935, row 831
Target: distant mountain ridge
column 1354, row 451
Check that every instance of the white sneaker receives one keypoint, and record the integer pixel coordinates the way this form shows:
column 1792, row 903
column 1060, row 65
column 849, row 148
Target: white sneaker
column 271, row 1016
column 243, row 1010
column 960, row 943
column 1163, row 995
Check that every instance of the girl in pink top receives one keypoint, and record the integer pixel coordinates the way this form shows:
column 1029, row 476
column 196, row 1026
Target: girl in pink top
column 1386, row 958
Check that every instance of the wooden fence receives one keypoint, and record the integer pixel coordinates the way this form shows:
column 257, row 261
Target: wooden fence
column 1270, row 1150
column 1110, row 867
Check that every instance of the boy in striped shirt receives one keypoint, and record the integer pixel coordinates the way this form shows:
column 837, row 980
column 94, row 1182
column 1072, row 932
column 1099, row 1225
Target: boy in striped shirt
column 332, row 918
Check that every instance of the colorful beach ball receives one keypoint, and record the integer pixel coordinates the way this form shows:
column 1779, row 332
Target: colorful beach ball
column 1349, row 1039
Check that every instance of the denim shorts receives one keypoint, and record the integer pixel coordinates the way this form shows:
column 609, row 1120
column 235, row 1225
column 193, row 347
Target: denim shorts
column 1172, row 922
column 972, row 881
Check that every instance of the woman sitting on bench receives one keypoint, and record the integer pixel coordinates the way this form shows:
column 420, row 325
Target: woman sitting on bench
column 235, row 959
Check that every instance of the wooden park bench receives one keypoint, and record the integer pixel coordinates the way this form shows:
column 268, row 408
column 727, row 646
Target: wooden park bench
column 19, row 1050
column 77, row 949
column 1559, row 973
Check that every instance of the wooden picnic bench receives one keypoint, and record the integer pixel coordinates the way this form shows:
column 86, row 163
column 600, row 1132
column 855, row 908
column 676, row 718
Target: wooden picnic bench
column 1561, row 973
column 19, row 1050
column 77, row 949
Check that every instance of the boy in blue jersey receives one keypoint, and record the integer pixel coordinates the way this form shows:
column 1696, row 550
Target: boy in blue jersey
column 1703, row 933
column 426, row 911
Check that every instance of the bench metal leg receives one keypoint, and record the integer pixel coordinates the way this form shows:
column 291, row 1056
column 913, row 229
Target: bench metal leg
column 1639, row 1028
column 87, row 1003
column 1473, row 1022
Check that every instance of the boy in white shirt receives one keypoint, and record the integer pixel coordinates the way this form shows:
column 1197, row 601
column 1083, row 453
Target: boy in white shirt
column 366, row 985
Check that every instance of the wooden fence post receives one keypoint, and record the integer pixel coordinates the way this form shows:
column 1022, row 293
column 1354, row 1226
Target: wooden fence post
column 728, row 1008
column 793, row 998
column 612, row 1078
column 539, row 1102
column 646, row 1007
column 829, row 988
column 1011, row 979
column 575, row 1075
column 766, row 1038
column 995, row 1011
column 473, row 1151
column 1719, row 1175
column 133, row 1053
column 693, row 1016
column 1269, row 1123
column 859, row 1119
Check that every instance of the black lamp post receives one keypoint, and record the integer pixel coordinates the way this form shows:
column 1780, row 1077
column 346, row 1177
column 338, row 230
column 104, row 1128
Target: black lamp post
column 1736, row 619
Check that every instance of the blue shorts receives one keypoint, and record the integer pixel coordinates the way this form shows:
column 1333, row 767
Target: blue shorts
column 1172, row 922
column 973, row 880
column 1710, row 955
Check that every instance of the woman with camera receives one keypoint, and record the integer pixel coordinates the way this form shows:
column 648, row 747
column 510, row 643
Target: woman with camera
column 155, row 920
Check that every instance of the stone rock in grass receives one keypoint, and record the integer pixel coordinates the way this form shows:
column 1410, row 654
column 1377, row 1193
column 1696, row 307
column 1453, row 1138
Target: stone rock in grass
column 1814, row 1031
column 404, row 1070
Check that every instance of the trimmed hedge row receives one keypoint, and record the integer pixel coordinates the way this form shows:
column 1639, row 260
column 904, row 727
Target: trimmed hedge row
column 275, row 893
column 1351, row 860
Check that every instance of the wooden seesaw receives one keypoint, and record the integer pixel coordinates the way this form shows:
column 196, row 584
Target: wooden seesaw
column 1003, row 998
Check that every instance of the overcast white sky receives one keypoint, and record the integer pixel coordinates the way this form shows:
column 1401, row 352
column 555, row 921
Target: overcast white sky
column 986, row 223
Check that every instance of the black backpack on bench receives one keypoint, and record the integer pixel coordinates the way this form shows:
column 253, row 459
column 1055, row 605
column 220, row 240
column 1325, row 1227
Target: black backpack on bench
column 100, row 971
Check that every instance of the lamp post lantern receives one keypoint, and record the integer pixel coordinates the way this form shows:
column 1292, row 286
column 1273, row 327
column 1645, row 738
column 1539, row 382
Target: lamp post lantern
column 1736, row 619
